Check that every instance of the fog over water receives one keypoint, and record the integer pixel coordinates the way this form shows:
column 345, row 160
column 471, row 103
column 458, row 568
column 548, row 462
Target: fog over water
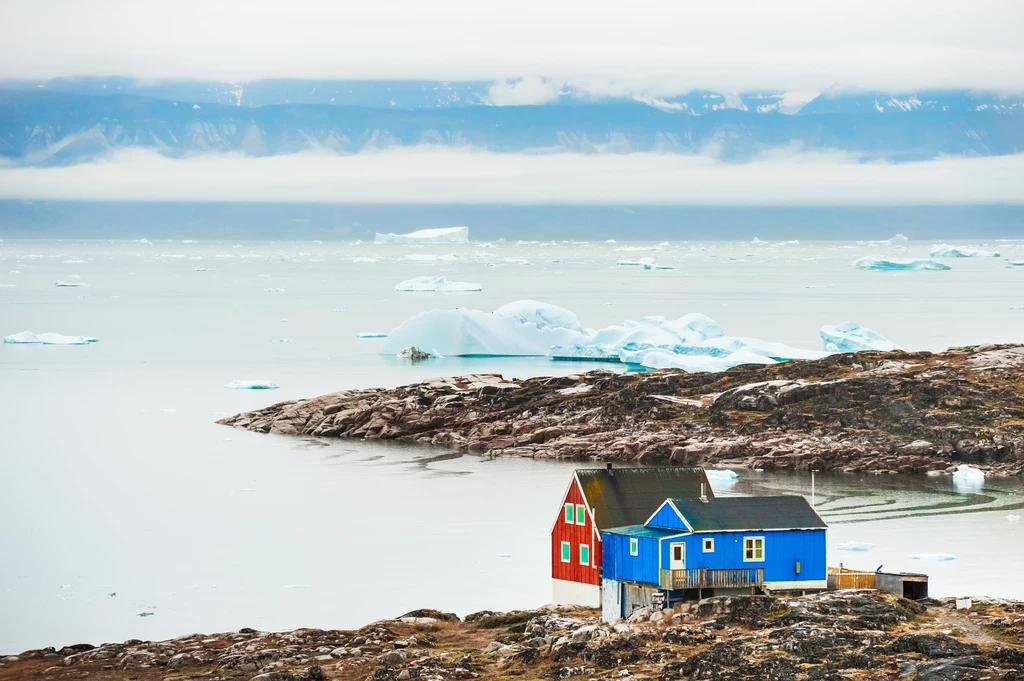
column 116, row 480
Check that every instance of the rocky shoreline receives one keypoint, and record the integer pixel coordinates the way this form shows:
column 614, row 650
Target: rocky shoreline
column 831, row 636
column 884, row 412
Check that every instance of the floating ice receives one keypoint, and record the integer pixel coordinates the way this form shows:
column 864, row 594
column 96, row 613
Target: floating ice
column 932, row 556
column 416, row 355
column 73, row 261
column 200, row 269
column 1009, row 263
column 899, row 240
column 1012, row 516
column 49, row 338
column 436, row 284
column 967, row 472
column 364, row 259
column 275, row 290
column 441, row 235
column 892, row 264
column 428, row 257
column 69, row 284
column 852, row 337
column 1017, row 307
column 725, row 477
column 855, row 546
column 693, row 342
column 371, row 334
column 252, row 385
column 947, row 251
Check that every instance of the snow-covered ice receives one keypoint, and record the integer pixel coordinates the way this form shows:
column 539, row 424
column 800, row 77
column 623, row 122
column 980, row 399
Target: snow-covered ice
column 852, row 337
column 895, row 264
column 947, row 251
column 440, row 235
column 252, row 385
column 855, row 546
column 436, row 284
column 48, row 338
column 693, row 342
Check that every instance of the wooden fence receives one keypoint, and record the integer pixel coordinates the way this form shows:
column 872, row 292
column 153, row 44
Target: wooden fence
column 841, row 578
column 704, row 578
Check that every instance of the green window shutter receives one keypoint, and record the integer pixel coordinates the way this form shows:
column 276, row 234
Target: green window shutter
column 568, row 514
column 581, row 514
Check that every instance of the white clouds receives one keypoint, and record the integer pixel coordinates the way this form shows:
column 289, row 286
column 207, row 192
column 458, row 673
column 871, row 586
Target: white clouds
column 648, row 46
column 528, row 90
column 441, row 175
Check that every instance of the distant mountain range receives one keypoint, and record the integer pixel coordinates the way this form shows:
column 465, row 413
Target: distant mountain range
column 66, row 121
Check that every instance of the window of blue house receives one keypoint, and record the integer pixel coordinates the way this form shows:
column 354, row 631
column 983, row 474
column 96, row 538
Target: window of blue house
column 566, row 552
column 568, row 514
column 581, row 514
column 634, row 546
column 584, row 554
column 709, row 545
column 753, row 549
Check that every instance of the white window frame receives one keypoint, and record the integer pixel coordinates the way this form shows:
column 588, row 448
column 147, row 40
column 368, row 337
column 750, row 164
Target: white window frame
column 581, row 511
column 708, row 545
column 754, row 549
column 566, row 545
column 569, row 514
column 588, row 560
column 634, row 546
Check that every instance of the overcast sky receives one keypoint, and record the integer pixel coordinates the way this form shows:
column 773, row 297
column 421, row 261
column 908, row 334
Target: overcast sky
column 439, row 175
column 655, row 47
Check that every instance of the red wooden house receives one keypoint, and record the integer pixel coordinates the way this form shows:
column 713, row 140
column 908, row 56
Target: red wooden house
column 602, row 498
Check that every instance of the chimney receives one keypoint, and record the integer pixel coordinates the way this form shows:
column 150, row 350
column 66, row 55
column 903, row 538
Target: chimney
column 609, row 468
column 703, row 496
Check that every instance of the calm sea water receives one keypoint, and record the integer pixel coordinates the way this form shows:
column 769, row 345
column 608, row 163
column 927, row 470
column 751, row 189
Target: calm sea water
column 116, row 480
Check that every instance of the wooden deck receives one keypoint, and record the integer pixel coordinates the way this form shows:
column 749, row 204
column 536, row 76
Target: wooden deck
column 704, row 578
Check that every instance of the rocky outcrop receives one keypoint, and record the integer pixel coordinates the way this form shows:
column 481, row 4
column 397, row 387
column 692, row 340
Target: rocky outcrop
column 872, row 411
column 835, row 636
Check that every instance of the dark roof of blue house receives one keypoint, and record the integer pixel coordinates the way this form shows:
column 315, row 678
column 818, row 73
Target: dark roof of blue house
column 643, row 531
column 749, row 513
column 628, row 496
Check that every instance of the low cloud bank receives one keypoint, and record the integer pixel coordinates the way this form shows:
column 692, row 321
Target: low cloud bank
column 441, row 175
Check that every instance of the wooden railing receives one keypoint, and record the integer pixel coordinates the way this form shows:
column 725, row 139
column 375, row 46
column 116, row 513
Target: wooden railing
column 841, row 578
column 706, row 578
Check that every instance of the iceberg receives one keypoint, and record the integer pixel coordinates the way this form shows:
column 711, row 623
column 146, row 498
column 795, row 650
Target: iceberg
column 441, row 235
column 899, row 240
column 252, row 385
column 947, row 251
column 896, row 264
column 69, row 284
column 49, row 338
column 371, row 334
column 693, row 342
column 852, row 337
column 1015, row 263
column 855, row 546
column 721, row 477
column 968, row 479
column 437, row 284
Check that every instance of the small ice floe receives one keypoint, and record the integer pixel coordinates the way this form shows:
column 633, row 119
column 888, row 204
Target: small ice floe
column 112, row 594
column 819, row 286
column 855, row 546
column 724, row 476
column 48, row 338
column 947, row 251
column 200, row 269
column 69, row 284
column 297, row 586
column 935, row 557
column 227, row 439
column 339, row 309
column 283, row 320
column 437, row 285
column 1010, row 263
column 364, row 259
column 282, row 340
column 146, row 614
column 1017, row 307
column 73, row 261
column 1012, row 516
column 852, row 337
column 371, row 334
column 414, row 354
column 275, row 290
column 503, row 555
column 968, row 479
column 252, row 385
column 896, row 264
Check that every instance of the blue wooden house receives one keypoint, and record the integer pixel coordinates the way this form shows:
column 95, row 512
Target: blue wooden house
column 694, row 548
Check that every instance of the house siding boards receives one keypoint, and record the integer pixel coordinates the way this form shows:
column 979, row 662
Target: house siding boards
column 620, row 565
column 668, row 518
column 576, row 535
column 782, row 550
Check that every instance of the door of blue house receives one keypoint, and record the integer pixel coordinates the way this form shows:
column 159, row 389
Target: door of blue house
column 677, row 556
